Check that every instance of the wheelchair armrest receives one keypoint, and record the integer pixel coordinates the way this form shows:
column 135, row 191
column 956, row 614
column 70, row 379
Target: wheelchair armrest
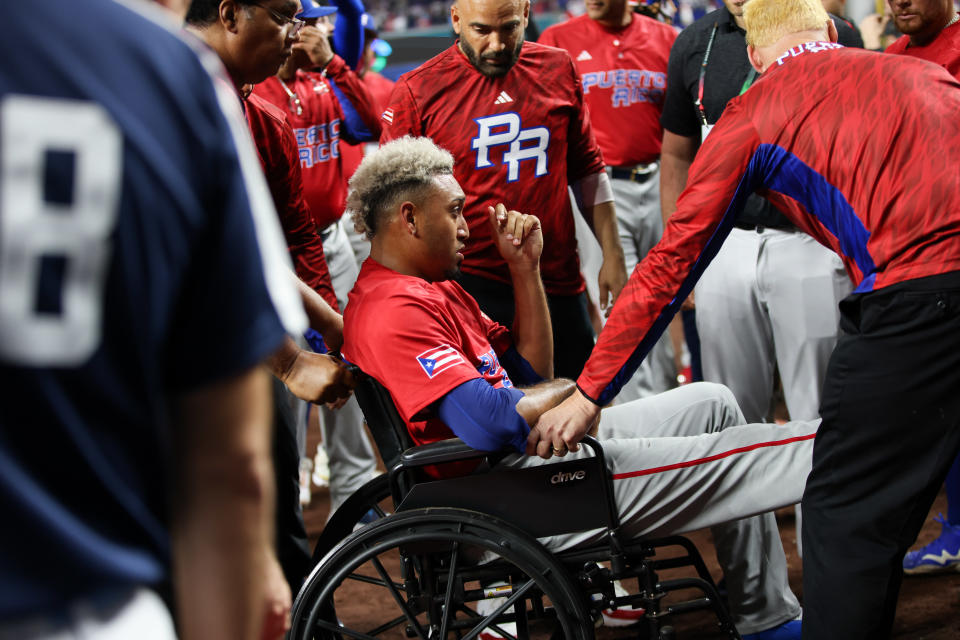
column 452, row 450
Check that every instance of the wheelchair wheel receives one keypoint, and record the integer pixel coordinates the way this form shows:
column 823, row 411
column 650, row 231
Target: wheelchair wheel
column 369, row 503
column 427, row 573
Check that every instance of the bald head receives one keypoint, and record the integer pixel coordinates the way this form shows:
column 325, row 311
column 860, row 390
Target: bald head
column 491, row 32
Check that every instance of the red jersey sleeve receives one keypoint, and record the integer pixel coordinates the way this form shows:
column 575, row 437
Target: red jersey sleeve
column 401, row 117
column 356, row 92
column 419, row 347
column 277, row 148
column 720, row 181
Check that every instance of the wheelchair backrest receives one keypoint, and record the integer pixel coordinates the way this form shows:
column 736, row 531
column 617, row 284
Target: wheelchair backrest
column 388, row 429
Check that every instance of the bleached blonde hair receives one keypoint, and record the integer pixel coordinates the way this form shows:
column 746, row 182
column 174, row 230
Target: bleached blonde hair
column 766, row 21
column 399, row 170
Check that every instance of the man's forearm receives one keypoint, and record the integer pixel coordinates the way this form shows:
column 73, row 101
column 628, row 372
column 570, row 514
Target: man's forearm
column 613, row 271
column 223, row 506
column 604, row 216
column 540, row 398
column 322, row 316
column 676, row 155
column 532, row 329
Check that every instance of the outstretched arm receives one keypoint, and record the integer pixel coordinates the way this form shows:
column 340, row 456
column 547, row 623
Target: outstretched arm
column 314, row 377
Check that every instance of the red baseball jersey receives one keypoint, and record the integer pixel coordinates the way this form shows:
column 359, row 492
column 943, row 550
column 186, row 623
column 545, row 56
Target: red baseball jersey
column 518, row 139
column 380, row 89
column 277, row 149
column 624, row 75
column 840, row 140
column 318, row 128
column 420, row 340
column 944, row 50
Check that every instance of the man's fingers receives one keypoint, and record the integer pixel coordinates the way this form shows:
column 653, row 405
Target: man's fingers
column 544, row 449
column 530, row 224
column 348, row 379
column 516, row 227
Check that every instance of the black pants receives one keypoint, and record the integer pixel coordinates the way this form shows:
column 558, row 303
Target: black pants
column 891, row 428
column 293, row 550
column 572, row 332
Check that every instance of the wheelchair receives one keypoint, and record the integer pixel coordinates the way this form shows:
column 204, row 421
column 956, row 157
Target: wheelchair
column 460, row 557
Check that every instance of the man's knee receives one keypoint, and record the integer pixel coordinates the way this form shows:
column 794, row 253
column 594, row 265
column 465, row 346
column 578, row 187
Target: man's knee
column 724, row 408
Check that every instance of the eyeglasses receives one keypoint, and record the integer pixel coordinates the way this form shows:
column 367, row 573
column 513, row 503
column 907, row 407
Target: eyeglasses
column 294, row 24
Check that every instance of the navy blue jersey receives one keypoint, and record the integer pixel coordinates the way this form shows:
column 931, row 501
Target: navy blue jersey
column 130, row 269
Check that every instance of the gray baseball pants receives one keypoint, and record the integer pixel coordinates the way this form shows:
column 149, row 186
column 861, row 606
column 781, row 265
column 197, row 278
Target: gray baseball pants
column 641, row 226
column 770, row 299
column 685, row 460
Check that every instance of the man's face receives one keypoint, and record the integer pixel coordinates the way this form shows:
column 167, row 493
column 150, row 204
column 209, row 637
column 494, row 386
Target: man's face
column 442, row 229
column 921, row 18
column 491, row 32
column 607, row 11
column 735, row 7
column 264, row 37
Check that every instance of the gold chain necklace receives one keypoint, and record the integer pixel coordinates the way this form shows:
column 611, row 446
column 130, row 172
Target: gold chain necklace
column 295, row 104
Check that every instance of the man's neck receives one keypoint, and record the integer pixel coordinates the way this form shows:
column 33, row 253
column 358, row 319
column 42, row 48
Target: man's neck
column 288, row 71
column 392, row 260
column 923, row 39
column 737, row 20
column 788, row 42
column 617, row 22
column 216, row 43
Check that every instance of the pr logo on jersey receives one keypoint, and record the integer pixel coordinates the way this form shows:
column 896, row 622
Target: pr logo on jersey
column 388, row 115
column 490, row 366
column 439, row 359
column 506, row 130
column 584, row 56
column 503, row 98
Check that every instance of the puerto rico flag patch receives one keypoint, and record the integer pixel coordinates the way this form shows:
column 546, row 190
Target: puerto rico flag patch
column 439, row 359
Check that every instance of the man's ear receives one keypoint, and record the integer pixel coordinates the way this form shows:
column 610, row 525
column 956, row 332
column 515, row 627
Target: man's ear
column 832, row 31
column 455, row 18
column 755, row 60
column 408, row 213
column 526, row 13
column 227, row 13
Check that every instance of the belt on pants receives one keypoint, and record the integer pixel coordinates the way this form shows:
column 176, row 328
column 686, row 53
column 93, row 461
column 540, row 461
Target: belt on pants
column 760, row 228
column 639, row 173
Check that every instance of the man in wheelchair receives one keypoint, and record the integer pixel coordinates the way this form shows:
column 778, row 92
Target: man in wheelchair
column 680, row 461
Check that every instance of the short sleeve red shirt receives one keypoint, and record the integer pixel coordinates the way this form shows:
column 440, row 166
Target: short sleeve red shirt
column 420, row 340
column 519, row 139
column 624, row 75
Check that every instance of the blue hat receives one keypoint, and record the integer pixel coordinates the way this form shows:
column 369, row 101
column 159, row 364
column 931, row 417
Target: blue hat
column 381, row 47
column 313, row 10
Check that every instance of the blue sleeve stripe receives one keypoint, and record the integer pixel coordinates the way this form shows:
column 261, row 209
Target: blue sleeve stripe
column 348, row 35
column 799, row 181
column 484, row 417
column 747, row 185
column 354, row 130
